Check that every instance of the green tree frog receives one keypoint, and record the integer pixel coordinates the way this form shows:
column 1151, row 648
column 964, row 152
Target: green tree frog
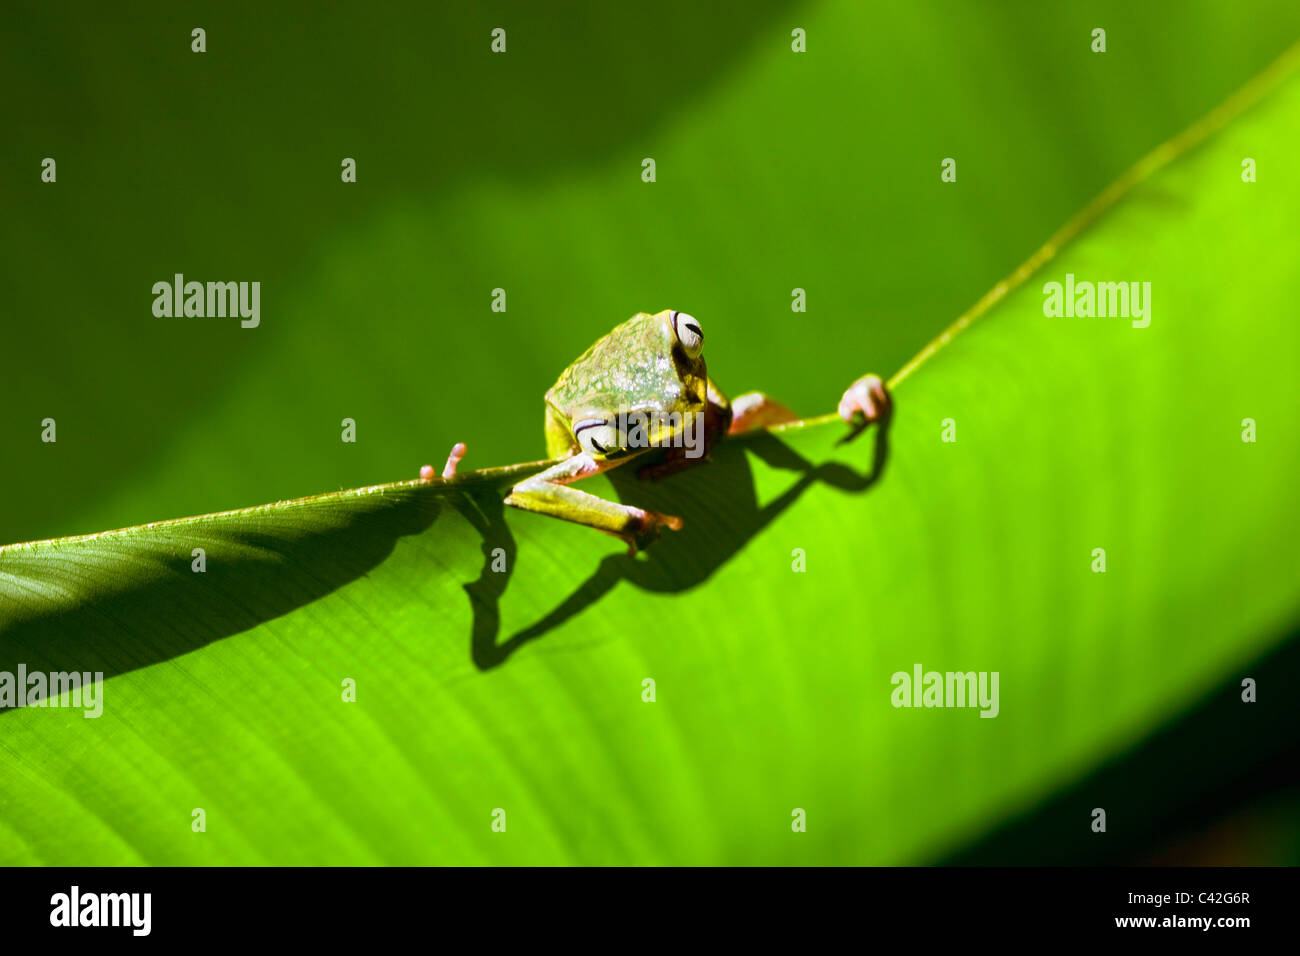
column 644, row 386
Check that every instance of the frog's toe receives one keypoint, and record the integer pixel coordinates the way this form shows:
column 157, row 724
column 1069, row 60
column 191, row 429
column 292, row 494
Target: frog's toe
column 453, row 459
column 670, row 521
column 646, row 529
column 448, row 470
column 868, row 397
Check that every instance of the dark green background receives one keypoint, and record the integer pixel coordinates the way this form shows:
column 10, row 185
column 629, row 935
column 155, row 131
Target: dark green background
column 521, row 171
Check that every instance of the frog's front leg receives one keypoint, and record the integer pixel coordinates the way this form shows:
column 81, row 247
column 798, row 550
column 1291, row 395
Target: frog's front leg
column 548, row 493
column 755, row 410
column 866, row 397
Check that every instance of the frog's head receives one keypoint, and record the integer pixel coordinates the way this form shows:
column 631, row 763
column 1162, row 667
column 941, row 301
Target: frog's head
column 650, row 365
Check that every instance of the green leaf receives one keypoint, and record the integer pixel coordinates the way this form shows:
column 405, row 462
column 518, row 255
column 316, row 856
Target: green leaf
column 523, row 690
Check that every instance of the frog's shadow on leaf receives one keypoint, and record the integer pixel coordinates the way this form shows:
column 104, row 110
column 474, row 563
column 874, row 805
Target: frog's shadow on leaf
column 678, row 561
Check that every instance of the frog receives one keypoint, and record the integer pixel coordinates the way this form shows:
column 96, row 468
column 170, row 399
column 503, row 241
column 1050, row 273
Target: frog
column 645, row 379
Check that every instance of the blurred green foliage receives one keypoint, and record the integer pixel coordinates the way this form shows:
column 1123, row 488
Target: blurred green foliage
column 520, row 171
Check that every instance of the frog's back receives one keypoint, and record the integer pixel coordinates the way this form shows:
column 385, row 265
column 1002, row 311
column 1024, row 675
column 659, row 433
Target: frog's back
column 632, row 365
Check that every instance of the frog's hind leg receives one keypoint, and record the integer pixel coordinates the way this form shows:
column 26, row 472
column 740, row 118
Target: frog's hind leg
column 548, row 493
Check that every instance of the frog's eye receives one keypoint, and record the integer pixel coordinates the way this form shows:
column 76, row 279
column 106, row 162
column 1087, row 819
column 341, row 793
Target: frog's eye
column 596, row 436
column 688, row 333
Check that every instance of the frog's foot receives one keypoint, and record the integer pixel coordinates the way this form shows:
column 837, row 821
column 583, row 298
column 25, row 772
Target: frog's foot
column 866, row 397
column 449, row 469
